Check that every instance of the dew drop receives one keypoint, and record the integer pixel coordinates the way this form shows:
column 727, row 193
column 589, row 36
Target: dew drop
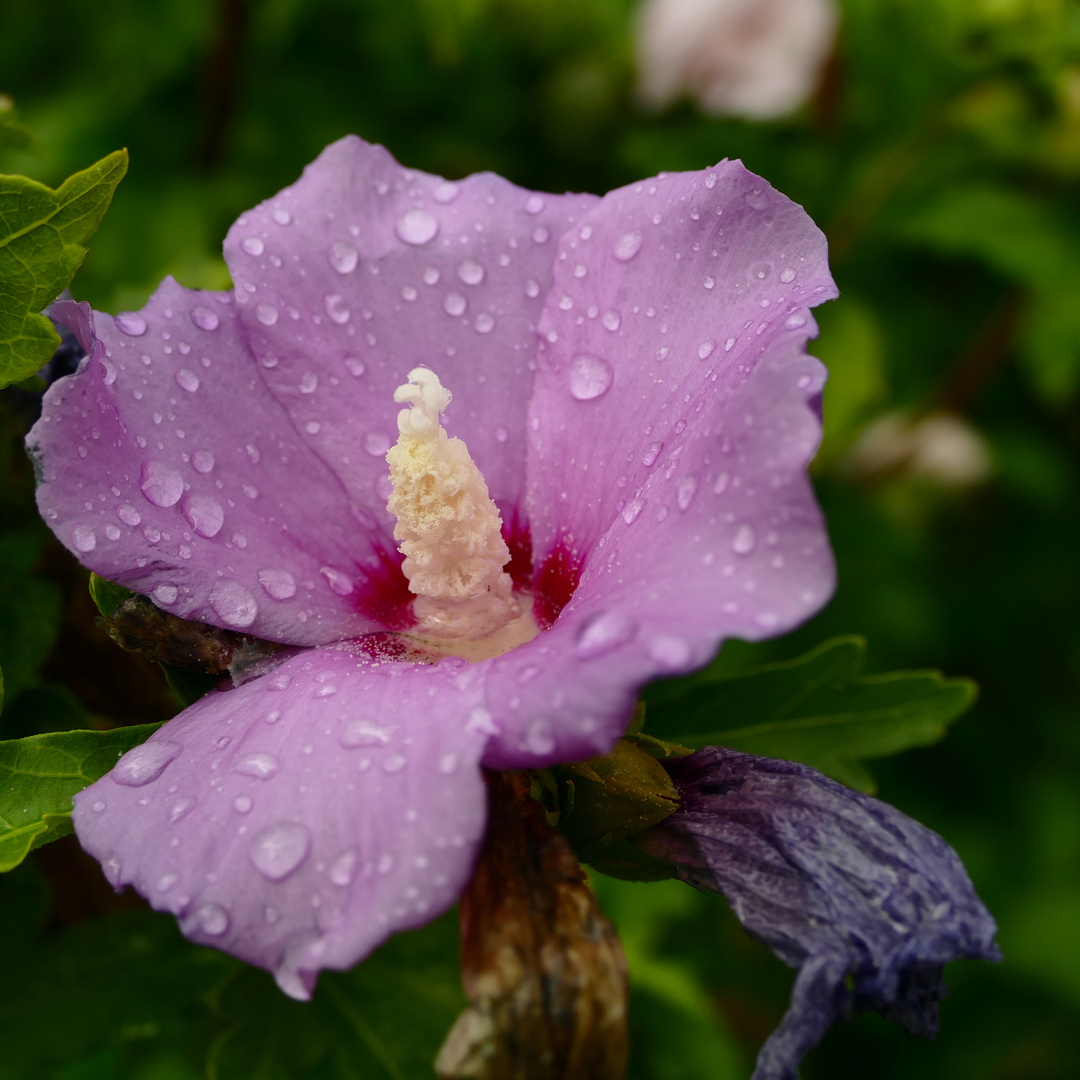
column 728, row 344
column 165, row 594
column 83, row 539
column 455, row 304
column 408, row 293
column 261, row 766
column 710, row 180
column 448, row 763
column 744, row 540
column 145, row 763
column 279, row 584
column 670, row 652
column 278, row 849
column 343, row 258
column 202, row 461
column 484, row 323
column 651, row 453
column 99, row 806
column 376, row 443
column 343, row 868
column 709, row 282
column 706, row 349
column 793, row 322
column 253, row 245
column 611, row 320
column 167, row 881
column 628, row 245
column 337, row 309
column 267, row 314
column 417, row 227
column 242, row 804
column 309, row 383
column 211, row 919
column 204, row 318
column 130, row 323
column 394, row 763
column 281, row 215
column 339, row 583
column 721, row 484
column 532, row 288
column 161, row 484
column 539, row 737
column 235, row 606
column 501, row 434
column 788, row 275
column 446, row 192
column 112, row 531
column 360, row 731
column 471, row 272
column 756, row 200
column 181, row 808
column 205, row 514
column 632, row 510
column 534, row 204
column 540, row 234
column 603, row 632
column 685, row 491
column 590, row 377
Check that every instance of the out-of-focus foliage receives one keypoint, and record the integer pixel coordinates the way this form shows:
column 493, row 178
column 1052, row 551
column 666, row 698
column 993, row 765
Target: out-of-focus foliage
column 942, row 158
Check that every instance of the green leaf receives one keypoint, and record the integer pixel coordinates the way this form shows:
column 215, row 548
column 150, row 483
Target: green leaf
column 817, row 709
column 42, row 238
column 40, row 774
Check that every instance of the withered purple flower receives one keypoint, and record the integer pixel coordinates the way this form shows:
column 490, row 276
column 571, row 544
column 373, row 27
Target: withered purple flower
column 633, row 384
column 868, row 904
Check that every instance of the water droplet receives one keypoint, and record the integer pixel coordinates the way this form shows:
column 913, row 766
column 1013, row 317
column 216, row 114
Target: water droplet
column 339, row 583
column 455, row 304
column 446, row 192
column 337, row 309
column 394, row 763
column 686, row 489
column 277, row 850
column 532, row 288
column 202, row 461
column 590, row 377
column 611, row 320
column 471, row 272
column 261, row 766
column 417, row 227
column 205, row 514
column 343, row 868
column 83, row 539
column 709, row 282
column 181, row 808
column 253, row 245
column 565, row 303
column 721, row 484
column 501, row 434
column 167, row 881
column 376, row 443
column 628, row 245
column 267, row 314
column 128, row 515
column 99, row 806
column 632, row 510
column 165, row 594
column 539, row 737
column 670, row 652
column 279, row 584
column 161, row 484
column 534, row 204
column 235, row 606
column 211, row 919
column 540, row 234
column 448, row 763
column 756, row 200
column 431, row 276
column 360, row 731
column 343, row 258
column 308, row 383
column 706, row 349
column 793, row 322
column 788, row 275
column 728, row 344
column 152, row 535
column 355, row 366
column 130, row 323
column 408, row 293
column 145, row 763
column 204, row 318
column 710, row 180
column 112, row 532
column 108, row 379
column 603, row 632
column 744, row 540
column 484, row 323
column 281, row 215
column 281, row 682
column 651, row 453
column 242, row 804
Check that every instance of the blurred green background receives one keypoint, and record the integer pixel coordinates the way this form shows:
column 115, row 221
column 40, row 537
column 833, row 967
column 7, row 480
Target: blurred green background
column 940, row 154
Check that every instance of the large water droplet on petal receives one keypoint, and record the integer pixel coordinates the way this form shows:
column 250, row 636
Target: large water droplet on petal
column 471, row 272
column 128, row 515
column 161, row 484
column 267, row 314
column 534, row 204
column 360, row 731
column 204, row 318
column 651, row 453
column 279, row 849
column 343, row 258
column 83, row 539
column 628, row 245
column 417, row 227
column 165, row 594
column 590, row 377
column 145, row 762
column 202, row 461
column 262, row 766
column 602, row 632
column 611, row 320
column 455, row 304
column 339, row 583
column 706, row 349
column 205, row 513
column 446, row 192
column 279, row 584
column 235, row 606
column 130, row 323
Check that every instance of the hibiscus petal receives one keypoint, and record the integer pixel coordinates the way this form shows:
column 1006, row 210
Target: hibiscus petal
column 166, row 465
column 400, row 268
column 835, row 882
column 668, row 451
column 301, row 818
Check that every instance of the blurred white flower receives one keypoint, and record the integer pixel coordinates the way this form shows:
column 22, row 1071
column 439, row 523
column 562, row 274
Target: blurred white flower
column 752, row 58
column 942, row 447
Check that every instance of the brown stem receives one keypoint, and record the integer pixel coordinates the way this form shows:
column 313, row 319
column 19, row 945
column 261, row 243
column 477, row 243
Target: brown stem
column 542, row 967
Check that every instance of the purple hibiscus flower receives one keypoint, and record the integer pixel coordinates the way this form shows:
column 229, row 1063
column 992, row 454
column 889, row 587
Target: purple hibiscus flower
column 631, row 380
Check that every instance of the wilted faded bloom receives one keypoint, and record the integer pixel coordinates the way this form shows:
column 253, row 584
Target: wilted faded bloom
column 866, row 903
column 632, row 383
column 757, row 59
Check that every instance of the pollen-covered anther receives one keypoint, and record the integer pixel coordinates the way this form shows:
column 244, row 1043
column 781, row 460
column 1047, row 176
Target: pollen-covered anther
column 448, row 529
